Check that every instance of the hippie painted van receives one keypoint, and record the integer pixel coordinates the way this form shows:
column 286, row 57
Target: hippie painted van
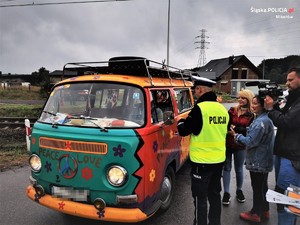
column 106, row 144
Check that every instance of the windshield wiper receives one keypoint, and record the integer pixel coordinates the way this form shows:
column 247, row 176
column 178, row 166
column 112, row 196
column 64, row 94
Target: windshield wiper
column 102, row 129
column 54, row 124
column 50, row 113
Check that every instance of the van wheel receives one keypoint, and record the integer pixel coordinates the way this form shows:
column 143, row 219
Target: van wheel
column 167, row 189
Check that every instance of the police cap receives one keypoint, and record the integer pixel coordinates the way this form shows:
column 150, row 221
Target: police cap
column 202, row 81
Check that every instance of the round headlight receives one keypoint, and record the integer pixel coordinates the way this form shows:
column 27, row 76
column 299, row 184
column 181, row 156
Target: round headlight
column 116, row 175
column 35, row 163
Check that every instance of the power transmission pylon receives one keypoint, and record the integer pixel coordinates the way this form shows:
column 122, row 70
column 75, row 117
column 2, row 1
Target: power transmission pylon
column 202, row 47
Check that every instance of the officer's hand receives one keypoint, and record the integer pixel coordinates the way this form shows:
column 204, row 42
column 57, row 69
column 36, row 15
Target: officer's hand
column 231, row 132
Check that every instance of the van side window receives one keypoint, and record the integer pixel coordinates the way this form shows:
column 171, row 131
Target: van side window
column 161, row 103
column 183, row 99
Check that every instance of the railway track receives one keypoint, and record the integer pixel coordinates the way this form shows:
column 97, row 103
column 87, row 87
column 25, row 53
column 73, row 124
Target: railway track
column 15, row 122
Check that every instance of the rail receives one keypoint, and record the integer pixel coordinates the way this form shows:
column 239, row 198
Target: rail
column 15, row 122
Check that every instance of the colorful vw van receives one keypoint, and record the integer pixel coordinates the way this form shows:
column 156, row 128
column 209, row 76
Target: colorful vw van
column 106, row 144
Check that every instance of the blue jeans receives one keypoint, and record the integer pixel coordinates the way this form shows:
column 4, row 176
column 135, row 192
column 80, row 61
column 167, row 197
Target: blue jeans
column 286, row 174
column 239, row 159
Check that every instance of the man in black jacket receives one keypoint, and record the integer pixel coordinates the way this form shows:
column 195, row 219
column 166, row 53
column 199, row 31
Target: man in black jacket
column 287, row 141
column 207, row 123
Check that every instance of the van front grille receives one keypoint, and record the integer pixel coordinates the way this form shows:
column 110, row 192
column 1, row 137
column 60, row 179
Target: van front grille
column 74, row 146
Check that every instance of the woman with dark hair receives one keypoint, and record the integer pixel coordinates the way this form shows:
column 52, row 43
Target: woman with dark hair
column 259, row 143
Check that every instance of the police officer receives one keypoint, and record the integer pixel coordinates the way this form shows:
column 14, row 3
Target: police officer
column 207, row 123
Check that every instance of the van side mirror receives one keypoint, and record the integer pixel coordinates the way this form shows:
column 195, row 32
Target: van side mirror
column 168, row 117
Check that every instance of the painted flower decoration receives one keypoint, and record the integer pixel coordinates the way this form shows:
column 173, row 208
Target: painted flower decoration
column 61, row 205
column 48, row 166
column 87, row 173
column 152, row 175
column 101, row 213
column 119, row 151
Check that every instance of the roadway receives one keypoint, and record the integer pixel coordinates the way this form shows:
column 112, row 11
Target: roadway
column 17, row 209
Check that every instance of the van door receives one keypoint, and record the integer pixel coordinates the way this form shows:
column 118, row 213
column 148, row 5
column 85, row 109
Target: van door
column 162, row 113
column 183, row 99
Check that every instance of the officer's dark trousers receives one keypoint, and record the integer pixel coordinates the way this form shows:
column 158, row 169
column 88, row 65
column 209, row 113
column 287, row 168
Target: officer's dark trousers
column 206, row 185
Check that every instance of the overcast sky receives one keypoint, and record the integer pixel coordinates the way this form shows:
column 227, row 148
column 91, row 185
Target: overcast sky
column 49, row 36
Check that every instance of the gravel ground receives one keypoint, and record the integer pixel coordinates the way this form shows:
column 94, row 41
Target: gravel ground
column 9, row 136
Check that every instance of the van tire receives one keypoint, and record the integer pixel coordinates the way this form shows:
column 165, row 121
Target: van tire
column 167, row 189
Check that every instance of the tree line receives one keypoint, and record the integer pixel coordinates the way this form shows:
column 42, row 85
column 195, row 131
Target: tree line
column 275, row 70
column 41, row 78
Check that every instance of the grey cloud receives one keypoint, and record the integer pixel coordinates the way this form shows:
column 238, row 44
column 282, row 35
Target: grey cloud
column 50, row 36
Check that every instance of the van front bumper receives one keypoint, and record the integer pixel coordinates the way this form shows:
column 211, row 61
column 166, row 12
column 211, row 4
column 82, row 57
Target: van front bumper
column 86, row 210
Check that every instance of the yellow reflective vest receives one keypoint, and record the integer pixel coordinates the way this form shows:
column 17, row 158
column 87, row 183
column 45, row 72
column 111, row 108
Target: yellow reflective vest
column 210, row 145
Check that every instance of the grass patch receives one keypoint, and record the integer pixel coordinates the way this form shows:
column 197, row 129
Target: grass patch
column 20, row 110
column 20, row 93
column 13, row 155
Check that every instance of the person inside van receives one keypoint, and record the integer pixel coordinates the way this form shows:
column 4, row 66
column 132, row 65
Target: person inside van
column 163, row 100
column 156, row 113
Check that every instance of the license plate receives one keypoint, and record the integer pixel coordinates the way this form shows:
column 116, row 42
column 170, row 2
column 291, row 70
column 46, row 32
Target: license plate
column 70, row 193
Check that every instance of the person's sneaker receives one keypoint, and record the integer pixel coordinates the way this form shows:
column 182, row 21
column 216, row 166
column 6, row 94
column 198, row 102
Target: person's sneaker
column 266, row 215
column 226, row 198
column 240, row 196
column 250, row 217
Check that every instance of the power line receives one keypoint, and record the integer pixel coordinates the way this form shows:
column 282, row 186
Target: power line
column 59, row 3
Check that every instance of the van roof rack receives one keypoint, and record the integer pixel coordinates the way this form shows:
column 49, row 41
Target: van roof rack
column 129, row 65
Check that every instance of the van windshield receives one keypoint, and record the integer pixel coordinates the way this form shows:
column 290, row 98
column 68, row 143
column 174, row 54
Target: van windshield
column 102, row 105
